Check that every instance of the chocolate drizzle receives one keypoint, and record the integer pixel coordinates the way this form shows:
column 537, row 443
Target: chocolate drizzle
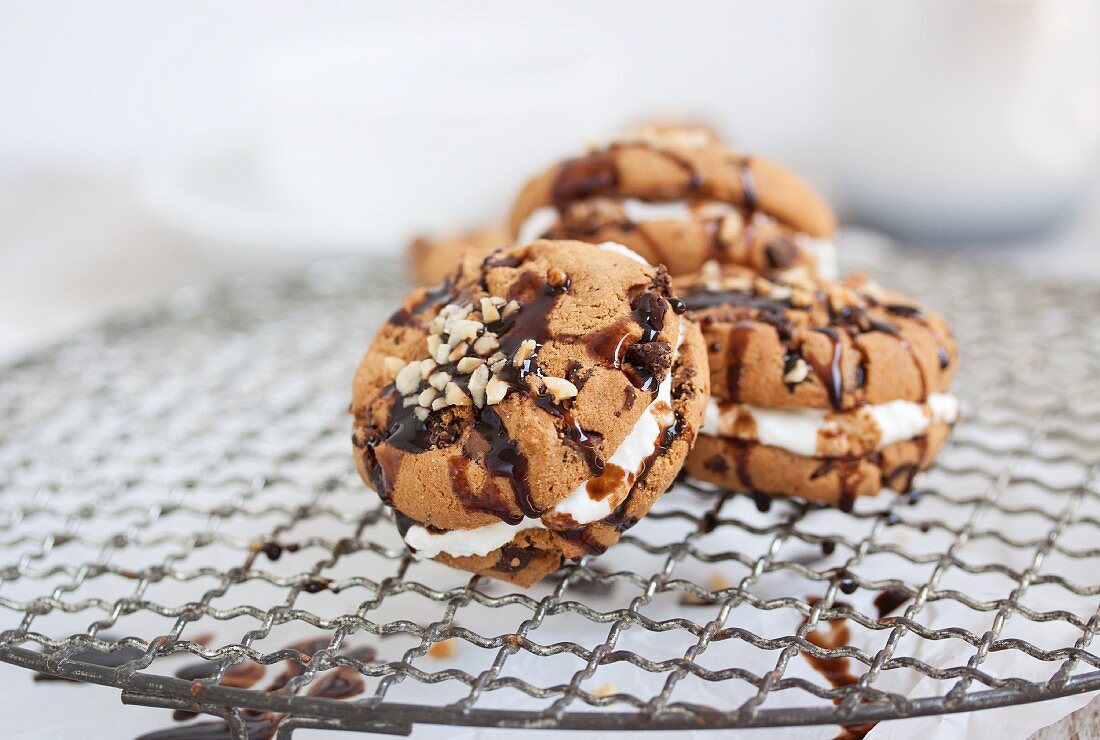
column 583, row 177
column 889, row 600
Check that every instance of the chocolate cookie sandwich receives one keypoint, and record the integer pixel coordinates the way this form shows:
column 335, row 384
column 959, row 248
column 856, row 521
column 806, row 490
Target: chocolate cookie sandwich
column 821, row 390
column 679, row 198
column 531, row 408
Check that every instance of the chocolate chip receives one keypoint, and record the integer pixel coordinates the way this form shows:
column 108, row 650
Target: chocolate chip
column 663, row 281
column 717, row 464
column 655, row 358
column 649, row 310
column 443, row 434
column 780, row 252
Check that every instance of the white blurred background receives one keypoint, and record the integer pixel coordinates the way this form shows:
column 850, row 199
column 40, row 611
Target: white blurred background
column 145, row 145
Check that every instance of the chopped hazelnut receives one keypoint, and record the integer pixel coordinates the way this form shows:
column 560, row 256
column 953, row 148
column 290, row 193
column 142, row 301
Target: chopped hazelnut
column 458, row 352
column 408, row 380
column 485, row 344
column 489, row 312
column 497, row 361
column 526, row 348
column 420, row 413
column 560, row 388
column 456, row 396
column 434, row 340
column 469, row 364
column 556, row 277
column 439, row 403
column 730, row 229
column 439, row 380
column 463, row 330
column 427, row 367
column 442, row 353
column 392, row 366
column 798, row 373
column 426, row 397
column 510, row 308
column 495, row 391
column 478, row 380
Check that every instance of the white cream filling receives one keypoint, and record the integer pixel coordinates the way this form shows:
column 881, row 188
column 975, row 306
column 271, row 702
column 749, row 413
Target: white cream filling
column 625, row 251
column 824, row 253
column 538, row 223
column 630, row 455
column 638, row 211
column 797, row 430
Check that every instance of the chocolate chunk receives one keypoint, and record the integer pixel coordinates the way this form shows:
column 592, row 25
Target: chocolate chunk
column 780, row 252
column 655, row 358
column 444, row 434
column 663, row 281
column 649, row 310
column 583, row 177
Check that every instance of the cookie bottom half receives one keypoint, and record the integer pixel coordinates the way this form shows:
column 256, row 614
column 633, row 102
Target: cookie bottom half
column 752, row 467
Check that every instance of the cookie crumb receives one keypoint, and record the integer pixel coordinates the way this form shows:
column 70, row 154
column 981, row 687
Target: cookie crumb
column 604, row 691
column 443, row 649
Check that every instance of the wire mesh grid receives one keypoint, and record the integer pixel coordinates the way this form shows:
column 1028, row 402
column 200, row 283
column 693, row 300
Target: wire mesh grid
column 178, row 485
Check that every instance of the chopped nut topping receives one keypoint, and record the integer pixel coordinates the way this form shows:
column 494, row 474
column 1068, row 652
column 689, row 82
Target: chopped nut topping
column 495, row 391
column 510, row 308
column 486, row 343
column 458, row 352
column 439, row 403
column 420, row 413
column 392, row 366
column 798, row 373
column 456, row 396
column 780, row 292
column 761, row 286
column 478, row 380
column 463, row 330
column 711, row 275
column 556, row 277
column 441, row 354
column 798, row 277
column 469, row 364
column 439, row 380
column 801, row 297
column 426, row 397
column 526, row 348
column 560, row 388
column 408, row 380
column 841, row 298
column 497, row 361
column 731, row 227
column 736, row 282
column 434, row 340
column 489, row 312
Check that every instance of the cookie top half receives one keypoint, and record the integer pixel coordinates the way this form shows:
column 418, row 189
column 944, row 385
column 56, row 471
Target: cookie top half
column 797, row 342
column 678, row 197
column 495, row 396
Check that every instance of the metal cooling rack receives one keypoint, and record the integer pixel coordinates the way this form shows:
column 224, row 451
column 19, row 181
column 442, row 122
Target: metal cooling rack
column 179, row 485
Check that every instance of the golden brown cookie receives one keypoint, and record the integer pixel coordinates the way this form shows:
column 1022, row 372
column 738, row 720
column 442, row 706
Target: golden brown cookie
column 837, row 481
column 821, row 390
column 531, row 407
column 795, row 342
column 432, row 260
column 679, row 198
